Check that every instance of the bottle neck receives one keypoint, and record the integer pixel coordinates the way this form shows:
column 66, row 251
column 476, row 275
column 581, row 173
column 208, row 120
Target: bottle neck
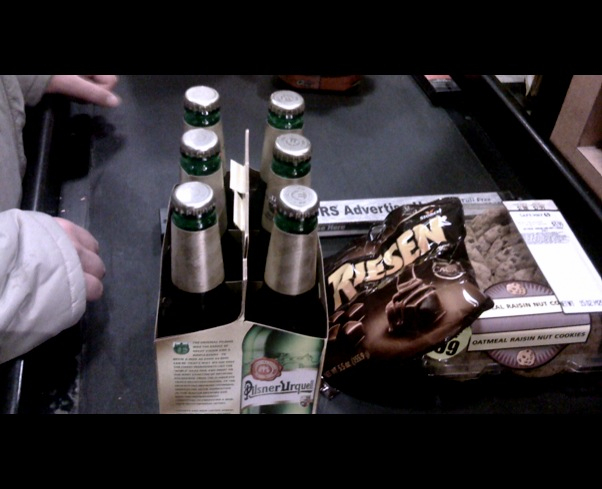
column 295, row 226
column 197, row 264
column 285, row 122
column 200, row 166
column 291, row 261
column 202, row 119
column 194, row 223
column 276, row 182
column 286, row 169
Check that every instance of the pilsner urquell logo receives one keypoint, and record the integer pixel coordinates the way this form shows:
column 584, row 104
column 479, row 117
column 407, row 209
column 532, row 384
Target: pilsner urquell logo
column 266, row 369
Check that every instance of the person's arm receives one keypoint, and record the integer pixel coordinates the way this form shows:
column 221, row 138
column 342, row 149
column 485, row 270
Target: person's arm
column 49, row 268
column 95, row 89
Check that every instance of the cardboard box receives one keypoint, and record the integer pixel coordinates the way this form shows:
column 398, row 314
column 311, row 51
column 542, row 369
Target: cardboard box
column 202, row 372
column 577, row 133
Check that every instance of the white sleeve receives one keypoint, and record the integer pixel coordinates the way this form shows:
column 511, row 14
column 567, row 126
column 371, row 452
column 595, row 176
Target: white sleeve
column 42, row 287
column 33, row 87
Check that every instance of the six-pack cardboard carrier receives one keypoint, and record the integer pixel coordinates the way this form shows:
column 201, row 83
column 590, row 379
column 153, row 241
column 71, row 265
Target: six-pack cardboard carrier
column 203, row 372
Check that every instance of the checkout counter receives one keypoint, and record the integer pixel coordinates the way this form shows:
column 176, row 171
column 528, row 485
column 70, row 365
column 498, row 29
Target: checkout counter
column 112, row 171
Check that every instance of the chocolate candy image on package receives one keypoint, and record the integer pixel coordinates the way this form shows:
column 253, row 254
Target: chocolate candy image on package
column 397, row 293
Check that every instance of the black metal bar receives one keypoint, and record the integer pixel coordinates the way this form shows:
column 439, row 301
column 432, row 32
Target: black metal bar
column 550, row 151
column 529, row 155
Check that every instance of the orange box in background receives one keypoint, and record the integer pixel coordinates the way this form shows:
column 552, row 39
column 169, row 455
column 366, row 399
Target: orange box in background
column 336, row 83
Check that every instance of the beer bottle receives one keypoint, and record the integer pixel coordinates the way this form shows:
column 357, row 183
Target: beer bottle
column 282, row 350
column 197, row 296
column 291, row 165
column 285, row 115
column 202, row 108
column 286, row 110
column 200, row 161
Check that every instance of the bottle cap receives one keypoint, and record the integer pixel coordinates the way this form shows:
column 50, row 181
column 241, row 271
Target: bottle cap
column 298, row 202
column 201, row 99
column 287, row 102
column 199, row 143
column 193, row 199
column 293, row 148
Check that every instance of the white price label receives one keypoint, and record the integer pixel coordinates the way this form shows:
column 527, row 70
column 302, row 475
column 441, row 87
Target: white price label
column 560, row 256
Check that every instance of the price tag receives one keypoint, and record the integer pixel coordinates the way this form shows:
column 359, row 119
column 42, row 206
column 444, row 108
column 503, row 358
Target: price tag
column 454, row 346
column 560, row 256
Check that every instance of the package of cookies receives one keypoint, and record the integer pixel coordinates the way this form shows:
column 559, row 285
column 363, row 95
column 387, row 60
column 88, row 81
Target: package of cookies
column 547, row 314
column 402, row 290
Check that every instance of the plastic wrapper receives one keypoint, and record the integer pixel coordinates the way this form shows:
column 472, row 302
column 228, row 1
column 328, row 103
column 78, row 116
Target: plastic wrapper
column 405, row 288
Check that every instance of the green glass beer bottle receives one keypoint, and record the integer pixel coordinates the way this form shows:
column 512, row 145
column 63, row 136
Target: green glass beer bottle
column 202, row 108
column 200, row 161
column 291, row 165
column 282, row 351
column 286, row 111
column 197, row 296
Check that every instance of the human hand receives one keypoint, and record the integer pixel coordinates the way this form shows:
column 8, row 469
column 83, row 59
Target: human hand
column 87, row 249
column 95, row 89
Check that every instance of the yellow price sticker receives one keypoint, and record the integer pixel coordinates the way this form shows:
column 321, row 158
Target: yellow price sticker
column 454, row 346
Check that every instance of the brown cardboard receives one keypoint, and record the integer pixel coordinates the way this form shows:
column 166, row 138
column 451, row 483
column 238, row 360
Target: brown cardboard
column 578, row 130
column 201, row 372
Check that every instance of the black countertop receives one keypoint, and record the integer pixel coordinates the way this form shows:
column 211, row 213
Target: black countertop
column 387, row 139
